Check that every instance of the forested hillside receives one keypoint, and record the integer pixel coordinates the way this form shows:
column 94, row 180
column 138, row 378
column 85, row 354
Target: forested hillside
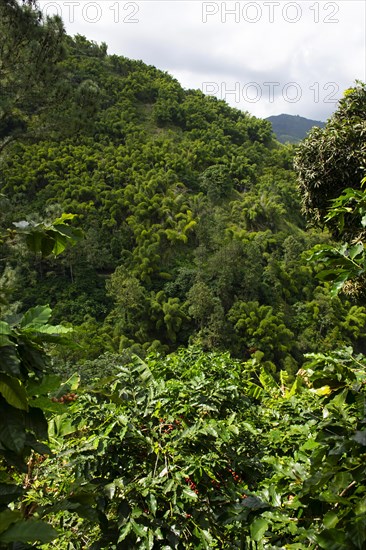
column 181, row 352
column 192, row 223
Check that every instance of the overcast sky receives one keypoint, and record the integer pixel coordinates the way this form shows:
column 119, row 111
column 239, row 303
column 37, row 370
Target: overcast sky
column 265, row 56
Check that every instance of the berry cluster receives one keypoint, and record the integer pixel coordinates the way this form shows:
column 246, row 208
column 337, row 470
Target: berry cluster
column 67, row 398
column 236, row 477
column 167, row 428
column 192, row 485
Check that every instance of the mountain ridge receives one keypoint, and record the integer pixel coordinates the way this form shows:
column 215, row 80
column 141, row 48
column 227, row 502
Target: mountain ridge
column 292, row 128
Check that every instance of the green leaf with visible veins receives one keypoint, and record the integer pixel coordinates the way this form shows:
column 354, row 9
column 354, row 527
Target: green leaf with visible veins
column 14, row 392
column 29, row 531
column 258, row 528
column 12, row 432
column 36, row 316
column 7, row 517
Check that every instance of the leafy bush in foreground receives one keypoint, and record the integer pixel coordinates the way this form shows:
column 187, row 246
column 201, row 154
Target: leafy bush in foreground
column 199, row 451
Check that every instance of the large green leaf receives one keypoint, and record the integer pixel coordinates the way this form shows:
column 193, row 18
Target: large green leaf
column 60, row 243
column 5, row 332
column 360, row 437
column 38, row 315
column 332, row 539
column 36, row 422
column 14, row 392
column 124, row 532
column 268, row 382
column 29, row 531
column 357, row 533
column 54, row 329
column 7, row 517
column 12, row 432
column 330, row 519
column 47, row 384
column 153, row 504
column 355, row 250
column 49, row 239
column 258, row 528
column 339, row 283
column 39, row 242
column 5, row 341
column 10, row 362
column 60, row 425
column 41, row 448
column 64, row 216
column 140, row 532
column 4, row 328
column 9, row 492
column 46, row 405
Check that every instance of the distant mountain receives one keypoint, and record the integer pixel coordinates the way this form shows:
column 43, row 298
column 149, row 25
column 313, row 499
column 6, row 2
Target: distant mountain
column 292, row 129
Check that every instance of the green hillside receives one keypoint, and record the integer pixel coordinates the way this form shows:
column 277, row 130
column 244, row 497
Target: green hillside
column 292, row 129
column 192, row 223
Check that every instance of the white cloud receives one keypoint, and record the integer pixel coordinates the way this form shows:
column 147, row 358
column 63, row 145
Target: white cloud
column 313, row 50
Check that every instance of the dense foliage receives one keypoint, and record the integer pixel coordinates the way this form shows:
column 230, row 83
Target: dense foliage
column 30, row 48
column 193, row 234
column 334, row 158
column 24, row 388
column 199, row 451
column 192, row 222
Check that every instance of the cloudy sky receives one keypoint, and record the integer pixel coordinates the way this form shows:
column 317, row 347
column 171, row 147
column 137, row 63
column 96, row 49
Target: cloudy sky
column 265, row 56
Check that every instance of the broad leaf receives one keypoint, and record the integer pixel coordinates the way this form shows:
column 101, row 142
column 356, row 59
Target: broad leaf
column 9, row 492
column 48, row 384
column 332, row 539
column 4, row 328
column 330, row 520
column 12, row 432
column 29, row 531
column 258, row 528
column 360, row 437
column 7, row 517
column 38, row 315
column 357, row 533
column 36, row 422
column 255, row 391
column 14, row 392
column 355, row 250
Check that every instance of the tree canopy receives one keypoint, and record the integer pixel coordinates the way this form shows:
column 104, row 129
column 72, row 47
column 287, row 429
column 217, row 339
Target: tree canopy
column 30, row 48
column 333, row 158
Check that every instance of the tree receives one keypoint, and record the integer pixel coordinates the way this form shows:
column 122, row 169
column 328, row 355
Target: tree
column 216, row 182
column 30, row 48
column 331, row 165
column 259, row 327
column 334, row 158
